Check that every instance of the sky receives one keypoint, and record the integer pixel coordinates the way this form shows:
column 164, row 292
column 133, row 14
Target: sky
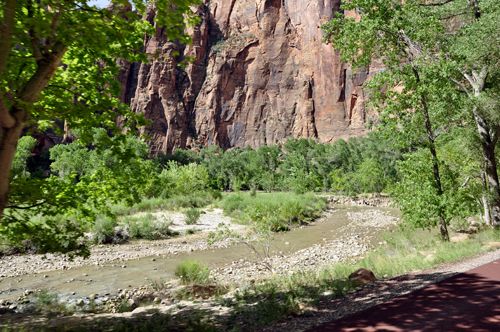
column 99, row 3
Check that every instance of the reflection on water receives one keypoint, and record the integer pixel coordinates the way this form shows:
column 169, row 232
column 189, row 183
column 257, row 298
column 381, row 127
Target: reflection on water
column 104, row 279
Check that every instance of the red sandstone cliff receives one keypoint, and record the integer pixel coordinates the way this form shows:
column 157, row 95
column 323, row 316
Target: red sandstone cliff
column 261, row 75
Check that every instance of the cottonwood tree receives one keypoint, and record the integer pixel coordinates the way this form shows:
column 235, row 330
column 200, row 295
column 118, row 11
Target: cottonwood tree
column 426, row 56
column 58, row 62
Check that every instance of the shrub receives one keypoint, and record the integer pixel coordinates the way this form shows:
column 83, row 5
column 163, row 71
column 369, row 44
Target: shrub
column 105, row 232
column 147, row 227
column 185, row 179
column 192, row 271
column 192, row 216
column 48, row 303
column 266, row 215
column 216, row 194
column 232, row 203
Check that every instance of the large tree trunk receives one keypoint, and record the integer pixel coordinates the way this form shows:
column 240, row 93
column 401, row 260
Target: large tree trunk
column 8, row 144
column 487, row 212
column 488, row 146
column 435, row 163
column 11, row 131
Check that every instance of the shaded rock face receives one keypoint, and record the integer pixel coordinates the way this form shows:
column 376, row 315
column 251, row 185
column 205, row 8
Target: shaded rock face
column 261, row 75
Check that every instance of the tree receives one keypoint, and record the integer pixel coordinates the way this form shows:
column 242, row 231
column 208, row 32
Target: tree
column 418, row 196
column 417, row 88
column 370, row 176
column 58, row 61
column 23, row 152
column 426, row 36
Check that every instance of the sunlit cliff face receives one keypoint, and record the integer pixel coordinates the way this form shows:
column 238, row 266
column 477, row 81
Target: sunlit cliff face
column 261, row 74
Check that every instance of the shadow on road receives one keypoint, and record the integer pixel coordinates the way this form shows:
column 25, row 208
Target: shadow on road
column 468, row 301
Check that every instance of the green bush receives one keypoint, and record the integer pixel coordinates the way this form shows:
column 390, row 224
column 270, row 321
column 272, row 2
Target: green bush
column 292, row 211
column 185, row 179
column 266, row 215
column 232, row 203
column 103, row 229
column 192, row 216
column 48, row 303
column 106, row 232
column 216, row 194
column 192, row 271
column 147, row 227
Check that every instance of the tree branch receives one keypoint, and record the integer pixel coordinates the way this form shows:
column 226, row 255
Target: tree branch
column 6, row 31
column 495, row 138
column 460, row 85
column 24, row 207
column 53, row 27
column 436, row 3
column 453, row 15
column 34, row 40
column 6, row 120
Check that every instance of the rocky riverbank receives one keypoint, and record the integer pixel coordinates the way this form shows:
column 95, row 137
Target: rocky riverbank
column 365, row 201
column 349, row 246
column 352, row 241
column 244, row 271
column 19, row 265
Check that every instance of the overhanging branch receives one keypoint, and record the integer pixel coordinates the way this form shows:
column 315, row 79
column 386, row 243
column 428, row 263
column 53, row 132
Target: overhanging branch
column 460, row 85
column 24, row 207
column 6, row 31
column 6, row 119
column 495, row 138
column 436, row 3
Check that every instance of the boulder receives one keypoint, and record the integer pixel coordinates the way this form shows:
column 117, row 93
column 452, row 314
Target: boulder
column 132, row 304
column 459, row 237
column 430, row 258
column 362, row 277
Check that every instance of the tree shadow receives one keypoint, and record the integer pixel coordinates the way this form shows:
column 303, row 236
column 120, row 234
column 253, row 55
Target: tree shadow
column 467, row 301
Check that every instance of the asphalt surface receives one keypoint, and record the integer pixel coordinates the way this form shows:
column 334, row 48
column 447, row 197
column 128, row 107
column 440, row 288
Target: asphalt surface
column 468, row 301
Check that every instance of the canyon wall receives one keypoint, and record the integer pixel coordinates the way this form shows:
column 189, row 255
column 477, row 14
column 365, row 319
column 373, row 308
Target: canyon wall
column 261, row 74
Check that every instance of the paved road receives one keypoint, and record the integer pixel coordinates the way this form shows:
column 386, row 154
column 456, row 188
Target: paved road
column 469, row 301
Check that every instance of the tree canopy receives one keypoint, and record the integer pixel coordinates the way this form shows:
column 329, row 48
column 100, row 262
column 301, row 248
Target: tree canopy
column 59, row 62
column 441, row 71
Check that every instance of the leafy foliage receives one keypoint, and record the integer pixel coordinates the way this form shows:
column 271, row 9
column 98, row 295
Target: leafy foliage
column 192, row 216
column 192, row 271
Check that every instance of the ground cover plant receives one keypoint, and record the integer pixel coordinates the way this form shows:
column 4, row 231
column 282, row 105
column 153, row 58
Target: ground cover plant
column 192, row 216
column 192, row 271
column 284, row 209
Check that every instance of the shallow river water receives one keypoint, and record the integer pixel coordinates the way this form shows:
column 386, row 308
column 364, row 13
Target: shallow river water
column 107, row 278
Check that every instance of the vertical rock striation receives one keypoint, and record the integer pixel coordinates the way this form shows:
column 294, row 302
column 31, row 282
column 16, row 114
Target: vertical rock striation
column 261, row 74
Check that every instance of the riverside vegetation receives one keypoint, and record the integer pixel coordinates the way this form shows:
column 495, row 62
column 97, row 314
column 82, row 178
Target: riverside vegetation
column 249, row 305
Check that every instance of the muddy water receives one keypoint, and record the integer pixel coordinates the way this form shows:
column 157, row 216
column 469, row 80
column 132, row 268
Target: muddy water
column 108, row 278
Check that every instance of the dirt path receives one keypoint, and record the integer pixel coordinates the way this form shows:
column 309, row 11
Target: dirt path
column 467, row 299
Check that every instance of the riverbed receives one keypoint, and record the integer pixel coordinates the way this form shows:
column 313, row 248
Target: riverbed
column 344, row 232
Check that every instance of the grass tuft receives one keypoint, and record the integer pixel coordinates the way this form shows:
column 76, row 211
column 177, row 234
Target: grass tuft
column 192, row 216
column 192, row 271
